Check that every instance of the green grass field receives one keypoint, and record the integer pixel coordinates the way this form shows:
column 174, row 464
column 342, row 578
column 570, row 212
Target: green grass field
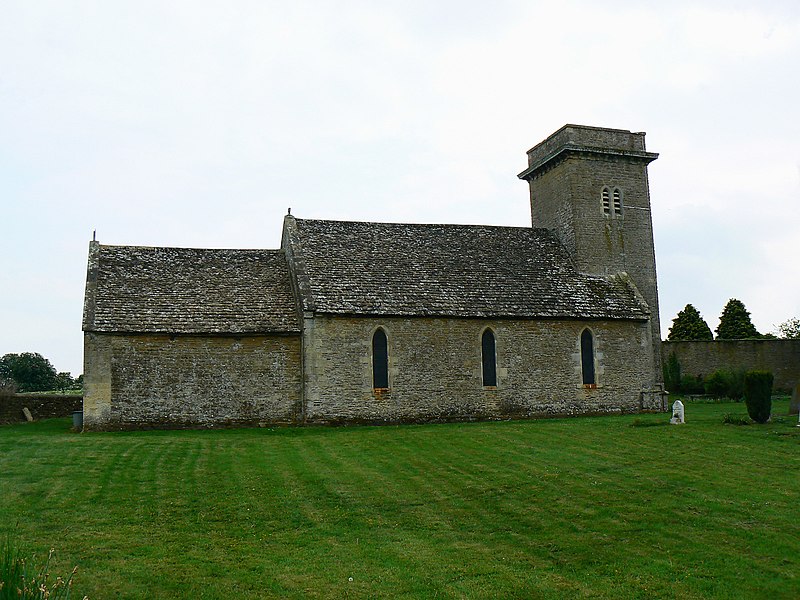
column 603, row 507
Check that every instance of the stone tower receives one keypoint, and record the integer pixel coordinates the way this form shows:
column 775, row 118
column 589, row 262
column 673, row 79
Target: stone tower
column 590, row 185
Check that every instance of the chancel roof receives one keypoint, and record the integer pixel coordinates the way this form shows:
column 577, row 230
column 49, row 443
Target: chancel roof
column 188, row 290
column 447, row 270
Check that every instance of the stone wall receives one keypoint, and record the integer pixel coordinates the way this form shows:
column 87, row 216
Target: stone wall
column 781, row 357
column 435, row 369
column 565, row 195
column 582, row 135
column 434, row 374
column 42, row 406
column 190, row 381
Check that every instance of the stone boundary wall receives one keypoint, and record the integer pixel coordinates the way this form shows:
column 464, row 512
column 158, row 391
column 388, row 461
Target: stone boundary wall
column 42, row 406
column 781, row 357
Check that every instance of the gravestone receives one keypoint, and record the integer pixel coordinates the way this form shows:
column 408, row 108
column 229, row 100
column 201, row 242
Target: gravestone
column 27, row 413
column 794, row 405
column 677, row 413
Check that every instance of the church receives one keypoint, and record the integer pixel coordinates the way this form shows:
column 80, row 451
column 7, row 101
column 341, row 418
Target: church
column 358, row 322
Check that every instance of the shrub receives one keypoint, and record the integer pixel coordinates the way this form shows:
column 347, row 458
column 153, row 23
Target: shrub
column 717, row 384
column 692, row 385
column 21, row 580
column 758, row 395
column 729, row 419
column 725, row 384
column 736, row 389
column 672, row 373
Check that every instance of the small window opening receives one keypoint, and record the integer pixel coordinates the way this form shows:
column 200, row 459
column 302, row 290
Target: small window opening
column 489, row 358
column 380, row 360
column 587, row 357
column 605, row 198
column 617, row 202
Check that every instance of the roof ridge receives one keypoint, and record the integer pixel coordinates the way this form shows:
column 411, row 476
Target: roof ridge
column 403, row 224
column 187, row 248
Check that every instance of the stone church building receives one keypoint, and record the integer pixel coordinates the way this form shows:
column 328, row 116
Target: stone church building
column 354, row 322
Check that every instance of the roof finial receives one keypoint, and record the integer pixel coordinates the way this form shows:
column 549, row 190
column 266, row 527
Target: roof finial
column 94, row 235
column 289, row 210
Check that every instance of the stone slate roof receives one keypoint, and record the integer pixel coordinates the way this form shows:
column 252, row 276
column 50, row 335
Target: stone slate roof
column 447, row 270
column 187, row 290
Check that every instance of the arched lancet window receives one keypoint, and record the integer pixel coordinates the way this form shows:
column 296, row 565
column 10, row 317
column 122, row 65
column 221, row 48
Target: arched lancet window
column 488, row 358
column 380, row 360
column 605, row 197
column 587, row 357
column 617, row 202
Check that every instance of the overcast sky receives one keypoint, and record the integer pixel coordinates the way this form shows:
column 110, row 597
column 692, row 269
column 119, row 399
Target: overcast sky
column 199, row 123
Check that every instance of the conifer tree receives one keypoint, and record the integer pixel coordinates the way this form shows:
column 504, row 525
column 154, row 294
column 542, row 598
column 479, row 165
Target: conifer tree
column 734, row 323
column 689, row 325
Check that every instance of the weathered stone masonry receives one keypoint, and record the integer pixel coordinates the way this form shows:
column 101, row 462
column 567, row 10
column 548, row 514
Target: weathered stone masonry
column 567, row 173
column 701, row 358
column 435, row 369
column 191, row 381
column 181, row 337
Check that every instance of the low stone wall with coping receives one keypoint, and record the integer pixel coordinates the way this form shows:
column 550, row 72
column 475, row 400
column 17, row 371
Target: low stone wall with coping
column 781, row 357
column 42, row 406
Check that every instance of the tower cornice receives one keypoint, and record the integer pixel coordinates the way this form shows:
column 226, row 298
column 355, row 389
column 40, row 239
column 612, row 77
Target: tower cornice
column 589, row 142
column 570, row 149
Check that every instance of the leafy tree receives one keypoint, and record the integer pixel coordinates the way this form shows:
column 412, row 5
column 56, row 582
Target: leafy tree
column 30, row 371
column 689, row 325
column 65, row 381
column 734, row 323
column 8, row 388
column 790, row 329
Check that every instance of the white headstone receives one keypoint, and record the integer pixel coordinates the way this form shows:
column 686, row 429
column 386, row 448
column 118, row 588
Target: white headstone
column 677, row 413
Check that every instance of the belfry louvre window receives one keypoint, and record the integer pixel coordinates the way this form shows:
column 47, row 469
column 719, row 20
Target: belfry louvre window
column 488, row 358
column 617, row 202
column 587, row 357
column 605, row 197
column 380, row 360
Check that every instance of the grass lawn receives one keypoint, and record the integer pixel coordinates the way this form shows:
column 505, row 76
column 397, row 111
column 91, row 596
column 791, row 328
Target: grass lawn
column 591, row 507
